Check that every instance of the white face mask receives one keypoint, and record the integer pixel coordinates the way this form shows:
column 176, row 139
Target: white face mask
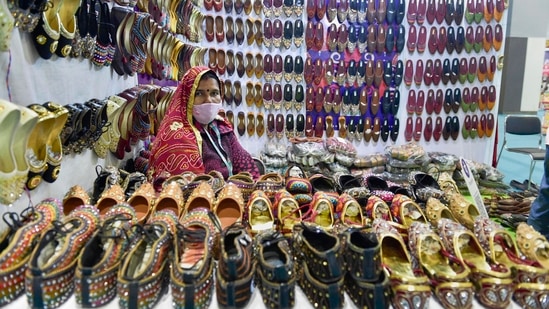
column 206, row 112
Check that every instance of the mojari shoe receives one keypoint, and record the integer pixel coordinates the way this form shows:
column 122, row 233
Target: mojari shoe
column 349, row 212
column 452, row 288
column 493, row 283
column 229, row 205
column 320, row 267
column 259, row 213
column 411, row 289
column 143, row 275
column 75, row 197
column 21, row 135
column 50, row 273
column 54, row 145
column 97, row 267
column 365, row 281
column 192, row 271
column 10, row 116
column 235, row 268
column 287, row 211
column 275, row 273
column 533, row 245
column 19, row 240
column 142, row 201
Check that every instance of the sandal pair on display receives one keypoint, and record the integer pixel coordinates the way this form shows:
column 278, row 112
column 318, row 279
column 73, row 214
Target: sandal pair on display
column 56, row 29
column 33, row 150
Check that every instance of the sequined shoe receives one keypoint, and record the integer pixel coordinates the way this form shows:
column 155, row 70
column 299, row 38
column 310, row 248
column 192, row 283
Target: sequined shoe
column 144, row 274
column 192, row 271
column 259, row 212
column 411, row 288
column 98, row 264
column 170, row 198
column 493, row 283
column 533, row 245
column 287, row 211
column 245, row 182
column 348, row 212
column 201, row 197
column 18, row 241
column 321, row 211
column 435, row 210
column 319, row 265
column 235, row 268
column 275, row 275
column 50, row 273
column 501, row 247
column 452, row 286
column 464, row 211
column 110, row 197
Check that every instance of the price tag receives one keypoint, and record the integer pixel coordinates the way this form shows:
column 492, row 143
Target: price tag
column 473, row 188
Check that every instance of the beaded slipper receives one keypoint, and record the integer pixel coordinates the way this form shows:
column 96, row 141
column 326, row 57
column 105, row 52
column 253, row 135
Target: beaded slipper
column 235, row 268
column 19, row 241
column 143, row 275
column 192, row 271
column 98, row 264
column 49, row 276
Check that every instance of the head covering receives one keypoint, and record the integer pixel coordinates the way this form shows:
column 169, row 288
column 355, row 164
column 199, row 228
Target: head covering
column 178, row 144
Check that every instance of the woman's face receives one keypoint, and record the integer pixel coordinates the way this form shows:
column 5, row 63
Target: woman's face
column 207, row 92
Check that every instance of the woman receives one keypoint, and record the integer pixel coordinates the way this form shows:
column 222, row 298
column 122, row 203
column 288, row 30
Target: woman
column 193, row 137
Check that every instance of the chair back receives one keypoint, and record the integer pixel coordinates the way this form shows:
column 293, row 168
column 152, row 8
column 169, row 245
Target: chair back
column 522, row 125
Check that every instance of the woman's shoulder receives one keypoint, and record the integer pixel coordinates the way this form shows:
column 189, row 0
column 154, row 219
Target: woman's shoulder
column 224, row 126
